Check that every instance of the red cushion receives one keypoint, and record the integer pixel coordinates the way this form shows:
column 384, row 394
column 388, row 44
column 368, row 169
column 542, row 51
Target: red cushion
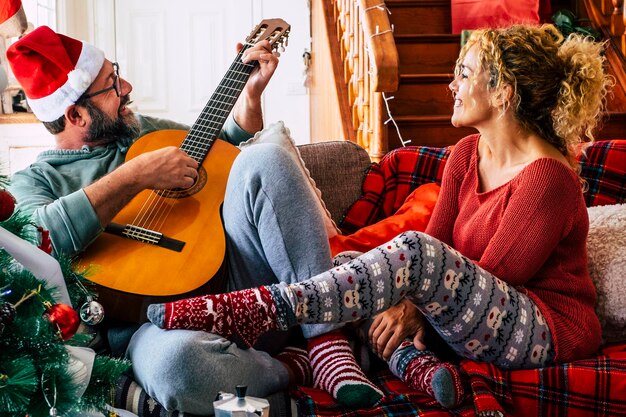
column 412, row 215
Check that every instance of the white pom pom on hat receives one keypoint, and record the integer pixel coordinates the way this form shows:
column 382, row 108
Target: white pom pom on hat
column 53, row 69
column 12, row 18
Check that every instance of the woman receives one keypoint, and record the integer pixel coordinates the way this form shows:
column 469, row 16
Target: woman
column 501, row 271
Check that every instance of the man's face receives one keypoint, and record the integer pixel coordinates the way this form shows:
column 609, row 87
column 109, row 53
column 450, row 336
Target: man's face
column 111, row 119
column 105, row 129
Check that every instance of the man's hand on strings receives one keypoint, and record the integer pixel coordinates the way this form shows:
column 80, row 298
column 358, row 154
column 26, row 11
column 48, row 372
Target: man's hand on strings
column 164, row 168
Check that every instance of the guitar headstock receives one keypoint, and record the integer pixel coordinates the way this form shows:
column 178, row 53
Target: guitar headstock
column 276, row 31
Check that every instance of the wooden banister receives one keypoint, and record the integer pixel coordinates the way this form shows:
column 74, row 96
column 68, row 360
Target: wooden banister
column 370, row 64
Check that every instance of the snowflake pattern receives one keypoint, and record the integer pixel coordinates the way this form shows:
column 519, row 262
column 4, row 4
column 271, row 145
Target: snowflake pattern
column 430, row 267
column 380, row 286
column 328, row 302
column 478, row 298
column 457, row 328
column 519, row 336
column 151, row 404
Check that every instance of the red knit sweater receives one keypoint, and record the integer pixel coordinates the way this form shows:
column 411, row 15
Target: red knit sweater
column 530, row 232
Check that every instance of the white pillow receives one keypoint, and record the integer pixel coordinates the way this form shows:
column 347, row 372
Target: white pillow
column 277, row 133
column 606, row 247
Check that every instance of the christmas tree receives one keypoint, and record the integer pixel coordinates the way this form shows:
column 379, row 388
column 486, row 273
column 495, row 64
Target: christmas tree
column 45, row 369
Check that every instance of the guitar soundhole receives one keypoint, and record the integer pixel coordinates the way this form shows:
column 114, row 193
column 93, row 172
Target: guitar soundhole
column 183, row 193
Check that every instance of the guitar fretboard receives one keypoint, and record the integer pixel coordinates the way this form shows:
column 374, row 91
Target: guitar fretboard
column 207, row 127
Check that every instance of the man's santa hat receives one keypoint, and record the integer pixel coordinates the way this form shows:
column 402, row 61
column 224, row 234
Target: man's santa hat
column 54, row 70
column 12, row 18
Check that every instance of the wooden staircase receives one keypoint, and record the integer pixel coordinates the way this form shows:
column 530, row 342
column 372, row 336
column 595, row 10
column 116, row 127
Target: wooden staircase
column 422, row 106
column 427, row 50
column 426, row 54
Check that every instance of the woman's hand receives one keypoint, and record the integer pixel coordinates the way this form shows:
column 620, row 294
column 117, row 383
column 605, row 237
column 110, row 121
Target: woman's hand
column 394, row 325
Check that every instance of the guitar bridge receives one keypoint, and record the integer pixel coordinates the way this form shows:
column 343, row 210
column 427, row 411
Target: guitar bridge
column 144, row 235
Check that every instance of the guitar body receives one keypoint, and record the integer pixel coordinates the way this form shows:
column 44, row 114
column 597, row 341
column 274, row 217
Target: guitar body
column 134, row 267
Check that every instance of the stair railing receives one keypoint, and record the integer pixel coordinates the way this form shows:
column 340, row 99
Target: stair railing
column 370, row 63
column 609, row 17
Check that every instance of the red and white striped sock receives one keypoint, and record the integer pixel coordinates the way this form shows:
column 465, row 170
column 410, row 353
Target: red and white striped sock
column 297, row 361
column 336, row 371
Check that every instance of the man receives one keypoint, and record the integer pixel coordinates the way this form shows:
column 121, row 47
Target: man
column 272, row 236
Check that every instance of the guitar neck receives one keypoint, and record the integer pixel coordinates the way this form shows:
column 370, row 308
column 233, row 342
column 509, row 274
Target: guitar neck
column 207, row 127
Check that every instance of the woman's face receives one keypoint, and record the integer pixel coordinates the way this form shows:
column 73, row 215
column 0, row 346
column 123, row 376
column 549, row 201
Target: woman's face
column 472, row 98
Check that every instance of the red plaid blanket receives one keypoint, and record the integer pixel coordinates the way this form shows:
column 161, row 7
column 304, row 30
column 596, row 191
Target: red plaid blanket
column 593, row 387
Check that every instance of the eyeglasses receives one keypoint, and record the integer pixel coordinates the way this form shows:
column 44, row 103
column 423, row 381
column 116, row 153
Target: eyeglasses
column 117, row 85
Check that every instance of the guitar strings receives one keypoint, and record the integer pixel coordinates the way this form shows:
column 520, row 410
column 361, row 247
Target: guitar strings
column 149, row 215
column 156, row 210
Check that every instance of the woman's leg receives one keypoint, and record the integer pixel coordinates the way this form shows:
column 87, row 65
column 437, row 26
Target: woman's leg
column 478, row 315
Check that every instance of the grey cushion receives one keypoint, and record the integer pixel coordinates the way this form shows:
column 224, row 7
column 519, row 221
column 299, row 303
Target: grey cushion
column 338, row 168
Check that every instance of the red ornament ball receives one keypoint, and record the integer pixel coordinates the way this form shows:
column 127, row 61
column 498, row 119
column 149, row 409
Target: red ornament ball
column 65, row 318
column 7, row 205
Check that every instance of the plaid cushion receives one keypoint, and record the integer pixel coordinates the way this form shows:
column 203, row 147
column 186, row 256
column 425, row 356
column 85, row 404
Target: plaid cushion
column 592, row 387
column 402, row 170
column 604, row 167
column 390, row 181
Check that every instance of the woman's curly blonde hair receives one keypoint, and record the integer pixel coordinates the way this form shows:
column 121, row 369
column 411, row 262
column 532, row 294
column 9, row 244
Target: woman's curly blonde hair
column 559, row 84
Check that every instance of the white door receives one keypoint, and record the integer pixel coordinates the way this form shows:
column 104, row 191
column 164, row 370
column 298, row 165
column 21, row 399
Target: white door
column 175, row 54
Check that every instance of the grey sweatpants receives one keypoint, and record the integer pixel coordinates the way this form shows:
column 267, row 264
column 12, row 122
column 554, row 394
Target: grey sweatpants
column 275, row 233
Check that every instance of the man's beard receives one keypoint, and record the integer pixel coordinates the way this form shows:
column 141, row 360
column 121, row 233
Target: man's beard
column 104, row 129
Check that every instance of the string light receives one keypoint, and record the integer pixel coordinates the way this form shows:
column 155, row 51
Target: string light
column 392, row 120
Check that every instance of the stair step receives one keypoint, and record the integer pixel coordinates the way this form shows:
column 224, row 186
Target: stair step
column 412, row 17
column 423, row 94
column 613, row 126
column 426, row 131
column 427, row 54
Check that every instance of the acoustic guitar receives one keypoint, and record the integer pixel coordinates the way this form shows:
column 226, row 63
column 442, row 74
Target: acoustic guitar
column 166, row 243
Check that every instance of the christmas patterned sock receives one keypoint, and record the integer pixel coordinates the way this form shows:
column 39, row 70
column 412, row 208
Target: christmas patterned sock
column 297, row 361
column 241, row 316
column 335, row 370
column 424, row 372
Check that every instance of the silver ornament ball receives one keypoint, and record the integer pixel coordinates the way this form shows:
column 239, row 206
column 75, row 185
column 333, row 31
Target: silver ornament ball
column 92, row 312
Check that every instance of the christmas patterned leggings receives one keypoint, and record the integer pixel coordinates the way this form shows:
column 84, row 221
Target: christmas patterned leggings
column 478, row 315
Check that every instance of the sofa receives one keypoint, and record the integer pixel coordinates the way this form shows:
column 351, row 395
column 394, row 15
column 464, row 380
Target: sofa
column 358, row 193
